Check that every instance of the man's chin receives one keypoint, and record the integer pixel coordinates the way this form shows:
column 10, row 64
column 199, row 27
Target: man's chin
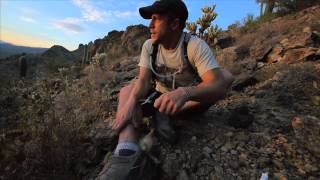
column 154, row 40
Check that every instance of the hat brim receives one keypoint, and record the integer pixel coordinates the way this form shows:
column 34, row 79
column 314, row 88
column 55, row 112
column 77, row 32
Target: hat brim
column 146, row 12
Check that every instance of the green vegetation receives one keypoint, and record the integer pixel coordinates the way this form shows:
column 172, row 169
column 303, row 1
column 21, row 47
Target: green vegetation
column 268, row 7
column 207, row 31
column 250, row 23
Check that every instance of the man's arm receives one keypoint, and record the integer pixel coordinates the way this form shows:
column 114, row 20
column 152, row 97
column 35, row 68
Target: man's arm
column 213, row 87
column 131, row 111
column 142, row 85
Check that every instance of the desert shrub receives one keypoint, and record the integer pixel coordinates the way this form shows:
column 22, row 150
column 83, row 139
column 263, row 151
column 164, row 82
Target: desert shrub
column 53, row 118
column 289, row 6
column 250, row 23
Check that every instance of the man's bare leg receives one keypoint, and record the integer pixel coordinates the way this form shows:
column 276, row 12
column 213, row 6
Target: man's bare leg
column 128, row 133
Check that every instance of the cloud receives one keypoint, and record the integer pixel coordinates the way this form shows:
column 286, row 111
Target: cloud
column 28, row 15
column 71, row 25
column 124, row 14
column 89, row 12
column 28, row 19
column 28, row 10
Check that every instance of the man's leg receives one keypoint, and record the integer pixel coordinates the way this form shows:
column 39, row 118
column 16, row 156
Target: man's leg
column 128, row 137
column 127, row 156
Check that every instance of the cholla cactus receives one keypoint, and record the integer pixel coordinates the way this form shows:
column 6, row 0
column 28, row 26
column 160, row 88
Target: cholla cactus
column 205, row 21
column 213, row 32
column 207, row 31
column 192, row 27
column 98, row 59
column 207, row 18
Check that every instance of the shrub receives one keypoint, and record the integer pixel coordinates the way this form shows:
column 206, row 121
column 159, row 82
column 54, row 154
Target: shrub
column 54, row 120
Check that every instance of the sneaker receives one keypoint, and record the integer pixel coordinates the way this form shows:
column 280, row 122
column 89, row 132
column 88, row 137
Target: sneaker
column 133, row 167
column 163, row 128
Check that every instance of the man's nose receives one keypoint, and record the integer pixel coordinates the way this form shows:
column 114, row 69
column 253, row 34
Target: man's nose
column 151, row 24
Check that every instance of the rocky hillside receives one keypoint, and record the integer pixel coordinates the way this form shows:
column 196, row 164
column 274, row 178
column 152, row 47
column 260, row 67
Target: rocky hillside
column 118, row 43
column 269, row 123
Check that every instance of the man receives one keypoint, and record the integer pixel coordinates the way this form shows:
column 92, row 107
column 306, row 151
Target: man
column 178, row 88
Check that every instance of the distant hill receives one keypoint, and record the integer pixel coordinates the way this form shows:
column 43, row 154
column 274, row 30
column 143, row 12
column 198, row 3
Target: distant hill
column 60, row 53
column 8, row 49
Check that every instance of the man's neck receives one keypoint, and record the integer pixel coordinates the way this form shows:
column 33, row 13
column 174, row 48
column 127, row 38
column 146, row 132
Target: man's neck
column 171, row 41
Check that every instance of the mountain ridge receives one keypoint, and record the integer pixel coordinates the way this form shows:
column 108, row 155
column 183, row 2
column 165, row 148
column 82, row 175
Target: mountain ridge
column 7, row 49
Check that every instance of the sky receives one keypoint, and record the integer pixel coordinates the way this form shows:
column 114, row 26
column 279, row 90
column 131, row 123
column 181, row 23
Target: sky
column 44, row 23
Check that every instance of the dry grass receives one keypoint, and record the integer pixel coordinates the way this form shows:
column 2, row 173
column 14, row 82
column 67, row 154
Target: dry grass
column 50, row 135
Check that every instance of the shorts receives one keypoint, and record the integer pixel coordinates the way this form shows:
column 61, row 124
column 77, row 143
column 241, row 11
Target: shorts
column 149, row 110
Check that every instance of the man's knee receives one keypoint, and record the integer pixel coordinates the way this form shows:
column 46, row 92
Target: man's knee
column 126, row 89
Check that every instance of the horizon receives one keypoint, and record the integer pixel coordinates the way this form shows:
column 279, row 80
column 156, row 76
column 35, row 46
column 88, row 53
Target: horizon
column 69, row 23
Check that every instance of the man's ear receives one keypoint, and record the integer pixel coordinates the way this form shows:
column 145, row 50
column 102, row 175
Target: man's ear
column 175, row 24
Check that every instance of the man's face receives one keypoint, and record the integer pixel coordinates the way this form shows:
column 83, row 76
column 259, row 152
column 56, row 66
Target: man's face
column 159, row 27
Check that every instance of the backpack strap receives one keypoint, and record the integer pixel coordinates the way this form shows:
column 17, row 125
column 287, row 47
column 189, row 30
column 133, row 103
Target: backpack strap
column 155, row 47
column 196, row 76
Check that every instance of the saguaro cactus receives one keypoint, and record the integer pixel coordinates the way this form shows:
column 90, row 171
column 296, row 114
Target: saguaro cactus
column 22, row 65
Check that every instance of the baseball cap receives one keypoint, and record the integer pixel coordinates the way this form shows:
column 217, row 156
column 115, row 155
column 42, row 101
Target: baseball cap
column 177, row 7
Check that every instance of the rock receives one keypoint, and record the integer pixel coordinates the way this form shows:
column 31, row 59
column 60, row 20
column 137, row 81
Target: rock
column 284, row 42
column 243, row 158
column 284, row 98
column 234, row 164
column 278, row 163
column 195, row 159
column 242, row 136
column 183, row 175
column 233, row 152
column 309, row 168
column 260, row 65
column 227, row 147
column 307, row 29
column 263, row 162
column 225, row 42
column 194, row 139
column 280, row 176
column 275, row 55
column 217, row 173
column 240, row 117
column 261, row 53
column 300, row 54
column 307, row 132
column 229, row 134
column 171, row 165
column 227, row 57
column 315, row 100
column 207, row 150
column 242, row 81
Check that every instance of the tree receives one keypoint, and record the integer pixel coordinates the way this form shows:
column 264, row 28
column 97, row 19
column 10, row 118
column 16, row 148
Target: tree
column 267, row 5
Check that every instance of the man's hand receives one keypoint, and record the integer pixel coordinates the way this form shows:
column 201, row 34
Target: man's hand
column 131, row 112
column 171, row 102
